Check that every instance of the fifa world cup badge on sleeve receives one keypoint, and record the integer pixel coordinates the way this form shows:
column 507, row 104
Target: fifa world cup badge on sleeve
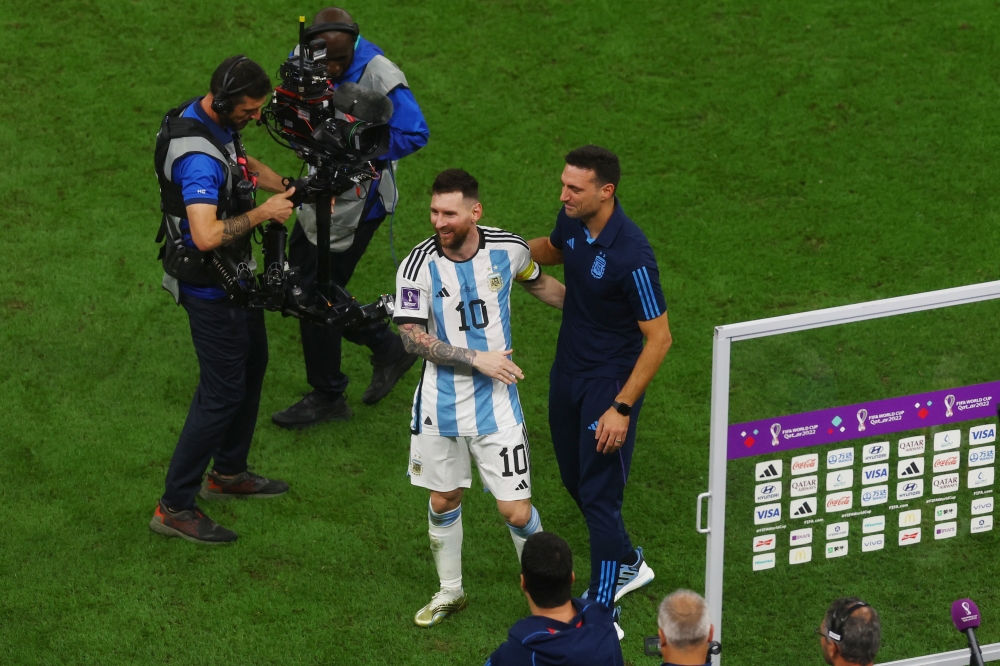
column 410, row 299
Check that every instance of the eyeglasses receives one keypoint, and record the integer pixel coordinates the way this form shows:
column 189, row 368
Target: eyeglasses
column 819, row 631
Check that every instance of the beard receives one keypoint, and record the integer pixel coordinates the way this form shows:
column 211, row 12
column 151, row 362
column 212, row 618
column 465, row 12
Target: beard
column 457, row 238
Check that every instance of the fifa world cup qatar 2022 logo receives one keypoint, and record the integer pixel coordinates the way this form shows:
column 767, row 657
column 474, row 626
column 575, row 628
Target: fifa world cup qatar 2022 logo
column 862, row 417
column 775, row 431
column 949, row 402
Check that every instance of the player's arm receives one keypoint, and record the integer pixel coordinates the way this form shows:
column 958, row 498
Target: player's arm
column 547, row 289
column 544, row 252
column 209, row 232
column 493, row 364
column 612, row 427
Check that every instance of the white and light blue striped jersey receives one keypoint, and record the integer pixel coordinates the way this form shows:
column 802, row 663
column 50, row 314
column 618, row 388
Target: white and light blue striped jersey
column 464, row 304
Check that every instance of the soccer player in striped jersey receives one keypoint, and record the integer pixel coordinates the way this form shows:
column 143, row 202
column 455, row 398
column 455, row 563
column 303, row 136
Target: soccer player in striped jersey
column 453, row 309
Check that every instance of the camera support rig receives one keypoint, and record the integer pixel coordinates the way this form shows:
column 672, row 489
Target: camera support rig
column 302, row 117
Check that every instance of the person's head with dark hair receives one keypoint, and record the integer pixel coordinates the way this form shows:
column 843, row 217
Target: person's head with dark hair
column 590, row 181
column 243, row 86
column 339, row 44
column 455, row 209
column 547, row 571
column 850, row 634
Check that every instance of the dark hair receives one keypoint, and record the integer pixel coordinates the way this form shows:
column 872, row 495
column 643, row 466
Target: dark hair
column 601, row 161
column 860, row 631
column 456, row 180
column 547, row 566
column 246, row 73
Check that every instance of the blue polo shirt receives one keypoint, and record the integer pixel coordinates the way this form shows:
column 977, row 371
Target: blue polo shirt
column 612, row 283
column 201, row 178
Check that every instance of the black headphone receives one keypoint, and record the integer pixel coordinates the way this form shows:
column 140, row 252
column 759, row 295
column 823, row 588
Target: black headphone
column 223, row 103
column 350, row 28
column 835, row 630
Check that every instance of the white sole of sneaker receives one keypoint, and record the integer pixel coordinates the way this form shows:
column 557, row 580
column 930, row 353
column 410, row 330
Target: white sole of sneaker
column 645, row 577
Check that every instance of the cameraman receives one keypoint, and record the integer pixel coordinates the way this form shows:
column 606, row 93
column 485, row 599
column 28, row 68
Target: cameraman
column 685, row 629
column 356, row 216
column 207, row 183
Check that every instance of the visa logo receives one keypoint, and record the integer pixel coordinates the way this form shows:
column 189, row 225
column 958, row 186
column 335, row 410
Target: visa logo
column 769, row 513
column 983, row 434
column 874, row 474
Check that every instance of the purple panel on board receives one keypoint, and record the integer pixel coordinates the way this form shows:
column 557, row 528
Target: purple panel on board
column 865, row 419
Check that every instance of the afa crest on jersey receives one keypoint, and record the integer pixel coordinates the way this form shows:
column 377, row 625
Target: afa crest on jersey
column 495, row 280
column 600, row 263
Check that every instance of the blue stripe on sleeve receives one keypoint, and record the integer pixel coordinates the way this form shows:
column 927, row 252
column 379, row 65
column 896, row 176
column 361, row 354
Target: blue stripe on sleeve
column 501, row 259
column 642, row 294
column 652, row 295
column 446, row 409
column 476, row 337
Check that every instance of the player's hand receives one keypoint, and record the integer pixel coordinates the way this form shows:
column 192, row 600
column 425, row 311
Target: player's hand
column 495, row 364
column 611, row 431
column 278, row 207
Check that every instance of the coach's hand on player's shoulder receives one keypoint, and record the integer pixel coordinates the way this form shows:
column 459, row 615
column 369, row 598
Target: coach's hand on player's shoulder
column 611, row 431
column 495, row 364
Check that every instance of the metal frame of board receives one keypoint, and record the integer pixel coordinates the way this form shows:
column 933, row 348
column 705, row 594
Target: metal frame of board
column 716, row 494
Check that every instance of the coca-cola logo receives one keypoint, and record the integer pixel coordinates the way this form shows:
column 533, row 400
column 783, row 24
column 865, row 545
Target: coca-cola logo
column 805, row 464
column 840, row 501
column 946, row 462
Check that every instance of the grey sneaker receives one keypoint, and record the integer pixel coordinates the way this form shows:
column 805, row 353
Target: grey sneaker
column 442, row 604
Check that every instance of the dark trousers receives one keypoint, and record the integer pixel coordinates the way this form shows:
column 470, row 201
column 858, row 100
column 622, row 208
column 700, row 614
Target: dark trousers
column 231, row 344
column 595, row 481
column 321, row 344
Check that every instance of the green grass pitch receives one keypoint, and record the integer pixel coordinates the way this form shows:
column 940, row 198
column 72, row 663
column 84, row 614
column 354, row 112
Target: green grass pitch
column 780, row 156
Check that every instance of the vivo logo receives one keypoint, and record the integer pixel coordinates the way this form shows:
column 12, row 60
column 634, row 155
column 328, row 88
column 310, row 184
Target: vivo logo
column 983, row 434
column 874, row 474
column 872, row 542
column 981, row 506
column 877, row 452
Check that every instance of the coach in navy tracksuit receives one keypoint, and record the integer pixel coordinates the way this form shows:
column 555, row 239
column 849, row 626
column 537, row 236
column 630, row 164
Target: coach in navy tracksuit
column 560, row 630
column 602, row 369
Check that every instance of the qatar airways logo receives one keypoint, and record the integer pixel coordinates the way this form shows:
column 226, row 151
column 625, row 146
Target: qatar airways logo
column 945, row 483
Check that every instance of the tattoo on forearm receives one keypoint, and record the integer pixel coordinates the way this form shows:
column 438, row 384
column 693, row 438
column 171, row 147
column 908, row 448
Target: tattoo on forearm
column 418, row 341
column 234, row 227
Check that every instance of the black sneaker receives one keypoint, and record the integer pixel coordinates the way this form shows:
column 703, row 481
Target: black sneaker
column 386, row 371
column 192, row 525
column 244, row 484
column 313, row 408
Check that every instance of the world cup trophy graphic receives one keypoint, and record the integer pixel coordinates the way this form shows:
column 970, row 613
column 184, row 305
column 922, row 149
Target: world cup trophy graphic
column 862, row 415
column 775, row 431
column 949, row 402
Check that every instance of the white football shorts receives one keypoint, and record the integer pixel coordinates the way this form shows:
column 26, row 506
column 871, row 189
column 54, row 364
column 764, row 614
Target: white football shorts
column 503, row 458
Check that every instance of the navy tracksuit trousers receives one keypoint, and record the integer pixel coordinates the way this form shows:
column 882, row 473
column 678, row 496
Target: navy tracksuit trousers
column 231, row 344
column 596, row 481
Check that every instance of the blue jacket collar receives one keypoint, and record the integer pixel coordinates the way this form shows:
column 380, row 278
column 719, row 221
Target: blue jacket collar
column 610, row 230
column 223, row 134
column 363, row 54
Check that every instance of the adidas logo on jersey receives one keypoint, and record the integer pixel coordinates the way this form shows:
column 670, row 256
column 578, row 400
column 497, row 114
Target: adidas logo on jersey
column 427, row 421
column 570, row 243
column 522, row 486
column 443, row 293
column 592, row 426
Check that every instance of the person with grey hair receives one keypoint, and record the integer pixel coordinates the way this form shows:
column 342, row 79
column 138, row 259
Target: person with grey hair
column 685, row 629
column 850, row 633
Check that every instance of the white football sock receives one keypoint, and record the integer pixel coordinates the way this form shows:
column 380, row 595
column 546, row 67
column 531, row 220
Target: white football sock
column 520, row 534
column 445, row 530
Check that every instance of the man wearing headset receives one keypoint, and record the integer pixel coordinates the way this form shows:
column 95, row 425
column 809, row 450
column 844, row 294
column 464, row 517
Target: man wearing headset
column 207, row 183
column 356, row 216
column 685, row 629
column 850, row 633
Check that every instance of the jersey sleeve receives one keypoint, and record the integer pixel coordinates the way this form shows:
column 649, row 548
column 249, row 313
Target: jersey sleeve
column 642, row 285
column 556, row 237
column 413, row 289
column 200, row 178
column 522, row 265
